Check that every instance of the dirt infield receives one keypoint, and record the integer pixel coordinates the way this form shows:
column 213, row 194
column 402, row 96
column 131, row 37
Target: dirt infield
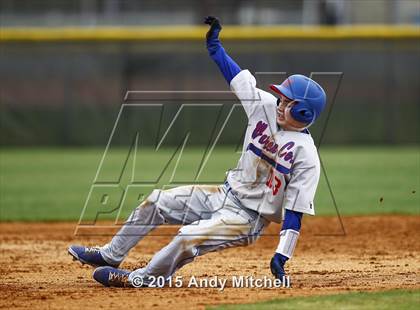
column 378, row 252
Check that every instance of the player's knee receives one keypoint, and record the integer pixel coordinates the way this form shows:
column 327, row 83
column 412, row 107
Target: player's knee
column 151, row 200
column 187, row 244
column 147, row 212
column 154, row 196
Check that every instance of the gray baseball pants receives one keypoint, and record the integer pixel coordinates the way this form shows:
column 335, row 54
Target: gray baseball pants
column 213, row 219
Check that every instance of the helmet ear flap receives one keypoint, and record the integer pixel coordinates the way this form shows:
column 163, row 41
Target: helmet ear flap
column 303, row 113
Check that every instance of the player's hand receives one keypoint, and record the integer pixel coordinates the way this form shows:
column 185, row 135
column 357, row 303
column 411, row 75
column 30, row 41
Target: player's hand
column 215, row 27
column 277, row 266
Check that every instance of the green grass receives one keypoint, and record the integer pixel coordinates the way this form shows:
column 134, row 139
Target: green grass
column 395, row 299
column 53, row 184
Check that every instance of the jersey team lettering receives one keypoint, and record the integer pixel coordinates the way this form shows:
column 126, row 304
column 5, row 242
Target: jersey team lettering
column 269, row 144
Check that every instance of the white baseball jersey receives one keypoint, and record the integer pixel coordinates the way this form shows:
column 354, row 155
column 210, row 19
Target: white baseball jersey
column 278, row 168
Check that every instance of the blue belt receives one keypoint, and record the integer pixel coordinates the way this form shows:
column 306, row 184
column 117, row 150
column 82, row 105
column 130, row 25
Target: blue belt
column 229, row 190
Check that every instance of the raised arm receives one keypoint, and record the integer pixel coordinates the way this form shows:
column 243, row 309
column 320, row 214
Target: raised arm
column 227, row 66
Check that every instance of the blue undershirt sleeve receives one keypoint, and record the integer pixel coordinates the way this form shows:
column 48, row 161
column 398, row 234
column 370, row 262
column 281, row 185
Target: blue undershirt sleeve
column 227, row 65
column 292, row 220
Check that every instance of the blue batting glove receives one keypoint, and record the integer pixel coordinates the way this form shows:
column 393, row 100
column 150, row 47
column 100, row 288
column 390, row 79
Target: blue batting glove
column 277, row 266
column 215, row 27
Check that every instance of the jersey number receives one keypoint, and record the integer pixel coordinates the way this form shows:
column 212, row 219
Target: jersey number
column 277, row 182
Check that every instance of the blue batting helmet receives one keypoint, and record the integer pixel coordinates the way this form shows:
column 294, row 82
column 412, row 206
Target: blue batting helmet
column 308, row 94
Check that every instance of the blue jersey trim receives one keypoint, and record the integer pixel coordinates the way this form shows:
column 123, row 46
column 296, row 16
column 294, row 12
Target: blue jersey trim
column 257, row 151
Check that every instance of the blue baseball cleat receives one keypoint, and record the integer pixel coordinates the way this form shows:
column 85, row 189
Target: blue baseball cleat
column 112, row 277
column 277, row 266
column 89, row 255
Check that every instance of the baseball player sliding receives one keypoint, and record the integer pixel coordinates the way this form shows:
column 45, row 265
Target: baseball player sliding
column 276, row 176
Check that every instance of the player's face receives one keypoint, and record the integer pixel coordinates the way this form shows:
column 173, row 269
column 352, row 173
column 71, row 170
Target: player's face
column 284, row 118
